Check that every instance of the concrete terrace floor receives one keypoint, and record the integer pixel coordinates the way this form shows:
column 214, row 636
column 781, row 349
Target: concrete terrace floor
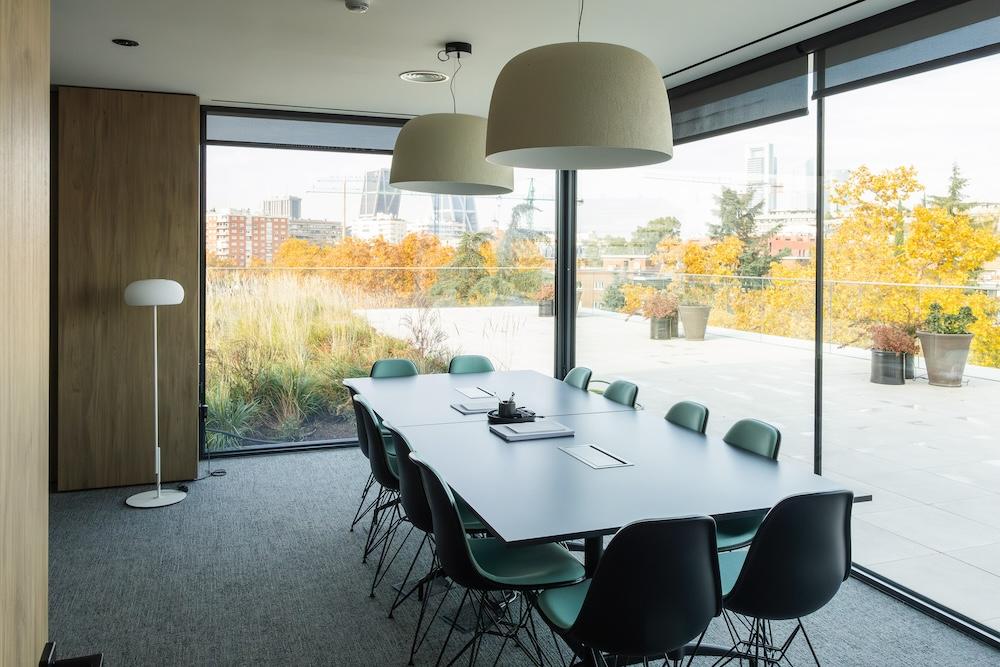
column 930, row 456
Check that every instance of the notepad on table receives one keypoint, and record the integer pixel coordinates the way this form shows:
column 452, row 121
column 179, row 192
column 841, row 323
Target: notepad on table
column 536, row 430
column 476, row 406
column 474, row 392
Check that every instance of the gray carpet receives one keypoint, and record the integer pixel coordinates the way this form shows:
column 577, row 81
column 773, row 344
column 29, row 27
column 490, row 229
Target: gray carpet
column 258, row 568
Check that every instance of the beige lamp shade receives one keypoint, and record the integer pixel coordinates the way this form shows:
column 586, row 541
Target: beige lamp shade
column 579, row 105
column 445, row 153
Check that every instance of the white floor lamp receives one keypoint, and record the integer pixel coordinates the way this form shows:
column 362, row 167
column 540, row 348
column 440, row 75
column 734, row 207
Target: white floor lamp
column 155, row 292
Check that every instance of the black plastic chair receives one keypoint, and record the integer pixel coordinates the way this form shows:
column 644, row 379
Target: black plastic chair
column 363, row 508
column 470, row 363
column 656, row 588
column 486, row 565
column 413, row 498
column 579, row 377
column 386, row 514
column 688, row 414
column 795, row 565
column 757, row 437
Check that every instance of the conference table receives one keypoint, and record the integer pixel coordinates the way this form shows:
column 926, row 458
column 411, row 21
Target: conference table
column 535, row 491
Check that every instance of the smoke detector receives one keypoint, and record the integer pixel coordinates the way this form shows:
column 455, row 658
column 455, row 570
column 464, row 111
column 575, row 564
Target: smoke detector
column 358, row 6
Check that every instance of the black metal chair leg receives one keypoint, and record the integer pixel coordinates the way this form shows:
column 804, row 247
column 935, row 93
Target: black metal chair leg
column 451, row 630
column 808, row 642
column 362, row 510
column 400, row 596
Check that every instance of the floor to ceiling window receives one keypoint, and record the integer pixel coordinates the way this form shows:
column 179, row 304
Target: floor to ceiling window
column 721, row 237
column 912, row 213
column 316, row 267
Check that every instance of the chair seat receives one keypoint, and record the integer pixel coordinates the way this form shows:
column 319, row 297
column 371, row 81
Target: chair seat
column 469, row 518
column 525, row 567
column 393, row 462
column 730, row 564
column 737, row 533
column 562, row 605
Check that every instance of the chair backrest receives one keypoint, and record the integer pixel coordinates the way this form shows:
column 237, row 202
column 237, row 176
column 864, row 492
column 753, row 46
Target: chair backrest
column 656, row 588
column 798, row 559
column 688, row 414
column 359, row 423
column 470, row 363
column 578, row 377
column 449, row 532
column 622, row 391
column 393, row 368
column 377, row 455
column 411, row 485
column 755, row 436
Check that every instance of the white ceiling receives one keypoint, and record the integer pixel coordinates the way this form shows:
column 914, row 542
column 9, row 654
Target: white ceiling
column 314, row 53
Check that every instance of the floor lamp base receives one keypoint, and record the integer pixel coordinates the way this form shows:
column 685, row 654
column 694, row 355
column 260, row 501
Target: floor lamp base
column 148, row 499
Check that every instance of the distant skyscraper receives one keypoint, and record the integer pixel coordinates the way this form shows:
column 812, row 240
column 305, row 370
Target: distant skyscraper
column 284, row 207
column 762, row 175
column 378, row 198
column 454, row 215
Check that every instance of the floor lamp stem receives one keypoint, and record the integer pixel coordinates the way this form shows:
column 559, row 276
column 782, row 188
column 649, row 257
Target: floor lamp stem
column 156, row 405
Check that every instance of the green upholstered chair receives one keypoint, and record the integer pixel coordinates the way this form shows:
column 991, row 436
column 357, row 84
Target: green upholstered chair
column 622, row 391
column 579, row 377
column 795, row 565
column 418, row 512
column 648, row 598
column 758, row 438
column 470, row 363
column 755, row 436
column 386, row 515
column 688, row 414
column 482, row 565
column 393, row 368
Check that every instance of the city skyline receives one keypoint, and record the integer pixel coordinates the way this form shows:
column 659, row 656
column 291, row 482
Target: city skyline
column 616, row 202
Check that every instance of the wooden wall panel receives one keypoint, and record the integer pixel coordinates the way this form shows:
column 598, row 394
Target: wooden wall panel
column 127, row 210
column 24, row 329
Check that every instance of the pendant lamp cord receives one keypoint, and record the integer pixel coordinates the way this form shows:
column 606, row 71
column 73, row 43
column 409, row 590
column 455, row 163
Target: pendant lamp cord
column 458, row 67
column 444, row 56
column 579, row 20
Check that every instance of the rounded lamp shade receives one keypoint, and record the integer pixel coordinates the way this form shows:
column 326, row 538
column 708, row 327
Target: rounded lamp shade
column 154, row 292
column 579, row 105
column 445, row 153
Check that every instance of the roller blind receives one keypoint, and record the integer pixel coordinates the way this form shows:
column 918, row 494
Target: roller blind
column 958, row 32
column 377, row 135
column 751, row 94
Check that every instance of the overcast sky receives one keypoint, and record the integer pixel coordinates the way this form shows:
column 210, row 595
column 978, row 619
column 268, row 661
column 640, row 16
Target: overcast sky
column 928, row 121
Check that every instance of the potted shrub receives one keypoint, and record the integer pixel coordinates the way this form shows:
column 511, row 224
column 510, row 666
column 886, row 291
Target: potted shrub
column 890, row 345
column 545, row 297
column 661, row 309
column 945, row 341
column 694, row 310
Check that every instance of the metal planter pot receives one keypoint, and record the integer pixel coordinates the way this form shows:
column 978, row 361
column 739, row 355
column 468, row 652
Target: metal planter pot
column 908, row 372
column 662, row 328
column 887, row 367
column 694, row 319
column 546, row 308
column 945, row 355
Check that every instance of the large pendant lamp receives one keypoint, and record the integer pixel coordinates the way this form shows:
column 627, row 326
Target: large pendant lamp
column 579, row 105
column 444, row 153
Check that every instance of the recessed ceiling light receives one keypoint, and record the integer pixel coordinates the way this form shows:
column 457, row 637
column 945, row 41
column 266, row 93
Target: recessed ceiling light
column 121, row 41
column 423, row 76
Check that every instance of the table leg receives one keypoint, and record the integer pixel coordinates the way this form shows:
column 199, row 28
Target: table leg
column 593, row 549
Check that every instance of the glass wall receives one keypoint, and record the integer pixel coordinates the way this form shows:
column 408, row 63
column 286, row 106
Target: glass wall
column 914, row 201
column 721, row 240
column 316, row 267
